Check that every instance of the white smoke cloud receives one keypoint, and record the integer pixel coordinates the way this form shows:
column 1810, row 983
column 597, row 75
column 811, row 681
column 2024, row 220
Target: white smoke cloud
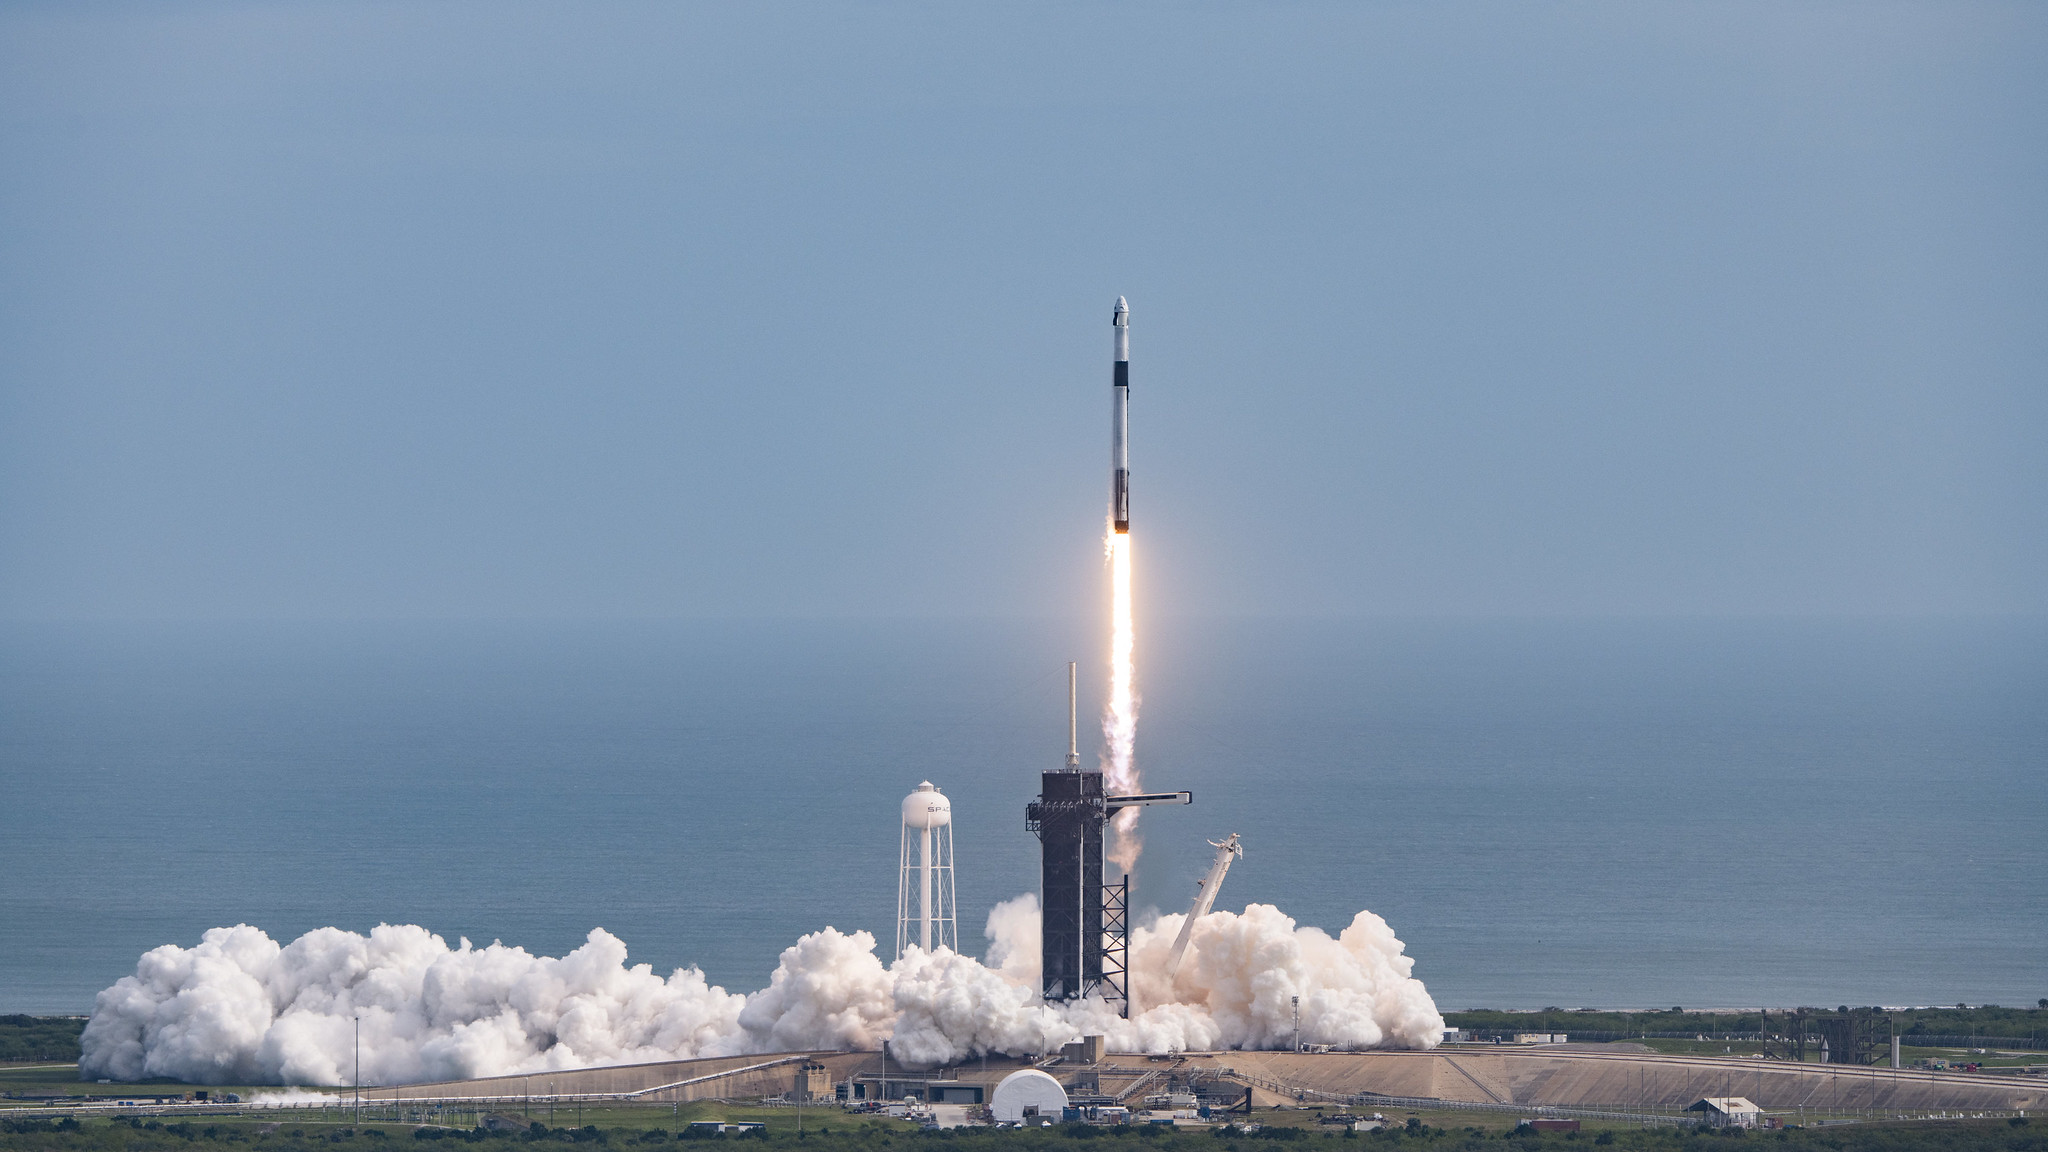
column 828, row 991
column 1234, row 990
column 240, row 1009
column 294, row 1098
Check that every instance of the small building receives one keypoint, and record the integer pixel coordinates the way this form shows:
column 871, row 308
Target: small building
column 1541, row 1038
column 1086, row 1050
column 1727, row 1112
column 1456, row 1035
column 813, row 1081
column 951, row 1092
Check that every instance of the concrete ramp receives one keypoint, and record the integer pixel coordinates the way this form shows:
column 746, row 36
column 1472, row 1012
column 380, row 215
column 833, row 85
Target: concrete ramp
column 1502, row 1075
column 1458, row 1076
column 1622, row 1081
column 664, row 1082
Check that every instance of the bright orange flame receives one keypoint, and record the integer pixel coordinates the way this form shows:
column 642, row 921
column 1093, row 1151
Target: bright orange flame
column 1120, row 714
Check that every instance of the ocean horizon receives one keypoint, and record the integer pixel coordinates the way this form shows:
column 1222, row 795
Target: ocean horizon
column 1623, row 813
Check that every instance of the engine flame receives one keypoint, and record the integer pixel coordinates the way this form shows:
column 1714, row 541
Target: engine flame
column 1120, row 713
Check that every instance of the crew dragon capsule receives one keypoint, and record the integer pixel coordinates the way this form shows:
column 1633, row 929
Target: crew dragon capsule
column 1120, row 421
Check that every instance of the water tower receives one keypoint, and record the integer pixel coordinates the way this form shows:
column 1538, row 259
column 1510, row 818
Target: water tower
column 925, row 907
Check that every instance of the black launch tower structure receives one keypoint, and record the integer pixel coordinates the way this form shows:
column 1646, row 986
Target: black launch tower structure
column 1083, row 922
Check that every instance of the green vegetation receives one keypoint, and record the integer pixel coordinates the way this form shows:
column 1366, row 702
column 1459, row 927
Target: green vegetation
column 831, row 1131
column 1983, row 1020
column 40, row 1037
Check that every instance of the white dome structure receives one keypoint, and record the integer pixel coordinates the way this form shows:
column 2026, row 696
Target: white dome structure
column 1028, row 1088
column 925, row 905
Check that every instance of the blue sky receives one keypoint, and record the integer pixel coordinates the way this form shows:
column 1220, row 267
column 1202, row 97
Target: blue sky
column 339, row 311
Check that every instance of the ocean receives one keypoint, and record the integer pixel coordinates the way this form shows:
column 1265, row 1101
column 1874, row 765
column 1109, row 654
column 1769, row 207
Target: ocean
column 1570, row 813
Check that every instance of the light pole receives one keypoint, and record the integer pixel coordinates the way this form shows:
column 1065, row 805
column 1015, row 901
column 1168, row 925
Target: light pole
column 358, row 1076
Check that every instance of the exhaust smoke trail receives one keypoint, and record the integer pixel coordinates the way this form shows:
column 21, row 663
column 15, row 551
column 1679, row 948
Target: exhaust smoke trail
column 1120, row 713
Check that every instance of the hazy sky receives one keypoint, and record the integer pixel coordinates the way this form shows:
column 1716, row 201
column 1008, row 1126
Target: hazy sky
column 361, row 310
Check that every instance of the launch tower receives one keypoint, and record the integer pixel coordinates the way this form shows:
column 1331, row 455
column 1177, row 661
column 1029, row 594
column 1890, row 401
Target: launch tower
column 1084, row 926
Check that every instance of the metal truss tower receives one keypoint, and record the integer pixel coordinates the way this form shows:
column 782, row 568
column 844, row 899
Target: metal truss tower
column 1084, row 922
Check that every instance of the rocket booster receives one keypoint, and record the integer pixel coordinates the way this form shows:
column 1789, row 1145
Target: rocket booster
column 1120, row 421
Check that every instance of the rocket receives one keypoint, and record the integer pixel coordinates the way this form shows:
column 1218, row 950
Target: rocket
column 1120, row 421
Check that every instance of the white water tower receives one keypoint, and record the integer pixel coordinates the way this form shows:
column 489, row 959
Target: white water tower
column 924, row 890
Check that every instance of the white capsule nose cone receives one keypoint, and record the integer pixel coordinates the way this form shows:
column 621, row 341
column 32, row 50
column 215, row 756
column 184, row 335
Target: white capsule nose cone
column 1121, row 306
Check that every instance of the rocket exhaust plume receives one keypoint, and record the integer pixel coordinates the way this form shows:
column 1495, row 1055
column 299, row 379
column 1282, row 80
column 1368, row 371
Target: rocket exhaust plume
column 1120, row 713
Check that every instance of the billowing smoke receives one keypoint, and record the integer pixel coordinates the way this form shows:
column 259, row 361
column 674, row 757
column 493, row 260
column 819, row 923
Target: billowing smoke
column 1233, row 990
column 295, row 1098
column 239, row 1008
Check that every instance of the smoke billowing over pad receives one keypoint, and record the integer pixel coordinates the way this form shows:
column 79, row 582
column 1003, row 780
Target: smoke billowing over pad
column 240, row 1008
